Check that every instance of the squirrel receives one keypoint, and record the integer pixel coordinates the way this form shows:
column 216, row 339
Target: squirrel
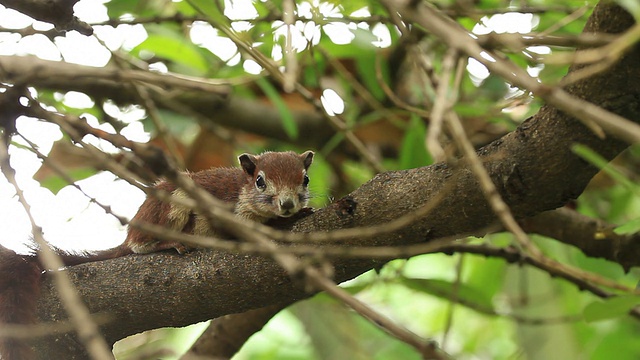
column 267, row 186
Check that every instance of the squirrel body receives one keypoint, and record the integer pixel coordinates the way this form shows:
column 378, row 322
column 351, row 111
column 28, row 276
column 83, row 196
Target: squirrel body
column 270, row 185
column 266, row 186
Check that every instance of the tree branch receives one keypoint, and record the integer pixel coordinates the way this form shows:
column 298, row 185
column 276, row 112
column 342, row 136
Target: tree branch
column 57, row 12
column 594, row 237
column 225, row 335
column 208, row 98
column 533, row 168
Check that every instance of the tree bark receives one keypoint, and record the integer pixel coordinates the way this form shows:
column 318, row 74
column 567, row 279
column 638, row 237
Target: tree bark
column 533, row 167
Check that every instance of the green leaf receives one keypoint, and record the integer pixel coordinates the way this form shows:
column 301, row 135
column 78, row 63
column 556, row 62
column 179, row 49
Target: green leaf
column 366, row 66
column 169, row 45
column 357, row 288
column 632, row 6
column 486, row 273
column 357, row 173
column 348, row 7
column 321, row 175
column 354, row 49
column 413, row 152
column 552, row 73
column 262, row 8
column 493, row 88
column 447, row 290
column 596, row 159
column 56, row 183
column 610, row 308
column 288, row 123
column 332, row 143
column 630, row 227
column 209, row 9
column 117, row 8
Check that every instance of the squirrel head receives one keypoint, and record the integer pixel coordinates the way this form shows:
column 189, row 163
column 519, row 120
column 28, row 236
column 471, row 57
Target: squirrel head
column 277, row 184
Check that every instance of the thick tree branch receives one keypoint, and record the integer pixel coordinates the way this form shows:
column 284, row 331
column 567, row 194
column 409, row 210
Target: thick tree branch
column 593, row 236
column 208, row 98
column 225, row 335
column 533, row 168
column 454, row 36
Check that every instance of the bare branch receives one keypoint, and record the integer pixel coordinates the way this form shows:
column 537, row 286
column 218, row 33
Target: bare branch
column 85, row 327
column 533, row 168
column 457, row 38
column 225, row 335
column 201, row 96
column 593, row 236
column 57, row 12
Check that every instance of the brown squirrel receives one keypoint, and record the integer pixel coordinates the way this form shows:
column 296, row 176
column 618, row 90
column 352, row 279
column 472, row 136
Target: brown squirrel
column 270, row 185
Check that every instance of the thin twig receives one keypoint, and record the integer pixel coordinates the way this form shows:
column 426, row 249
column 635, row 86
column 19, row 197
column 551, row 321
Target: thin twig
column 594, row 117
column 578, row 13
column 88, row 332
column 314, row 277
column 211, row 208
column 501, row 209
column 601, row 58
column 53, row 165
column 335, row 120
column 291, row 64
column 439, row 108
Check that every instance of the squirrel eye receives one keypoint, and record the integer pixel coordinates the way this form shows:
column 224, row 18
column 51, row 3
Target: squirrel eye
column 260, row 184
column 305, row 182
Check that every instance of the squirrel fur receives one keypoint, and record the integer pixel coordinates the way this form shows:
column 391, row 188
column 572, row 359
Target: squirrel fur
column 266, row 186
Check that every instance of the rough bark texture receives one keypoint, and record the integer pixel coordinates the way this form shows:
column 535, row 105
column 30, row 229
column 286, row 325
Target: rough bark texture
column 533, row 168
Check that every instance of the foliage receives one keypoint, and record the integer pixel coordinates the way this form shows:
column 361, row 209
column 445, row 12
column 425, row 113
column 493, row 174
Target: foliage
column 475, row 307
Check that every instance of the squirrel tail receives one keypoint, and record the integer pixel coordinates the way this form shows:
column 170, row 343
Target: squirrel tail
column 19, row 289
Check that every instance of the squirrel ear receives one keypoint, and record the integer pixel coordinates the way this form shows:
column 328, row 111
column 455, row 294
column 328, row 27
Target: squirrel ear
column 248, row 163
column 307, row 158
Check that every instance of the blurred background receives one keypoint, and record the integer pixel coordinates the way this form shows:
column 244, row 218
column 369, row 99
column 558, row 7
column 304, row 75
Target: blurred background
column 355, row 68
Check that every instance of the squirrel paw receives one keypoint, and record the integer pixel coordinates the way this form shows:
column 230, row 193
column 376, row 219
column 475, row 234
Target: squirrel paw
column 182, row 248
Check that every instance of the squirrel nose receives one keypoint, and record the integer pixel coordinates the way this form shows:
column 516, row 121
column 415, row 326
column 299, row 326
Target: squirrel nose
column 287, row 204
